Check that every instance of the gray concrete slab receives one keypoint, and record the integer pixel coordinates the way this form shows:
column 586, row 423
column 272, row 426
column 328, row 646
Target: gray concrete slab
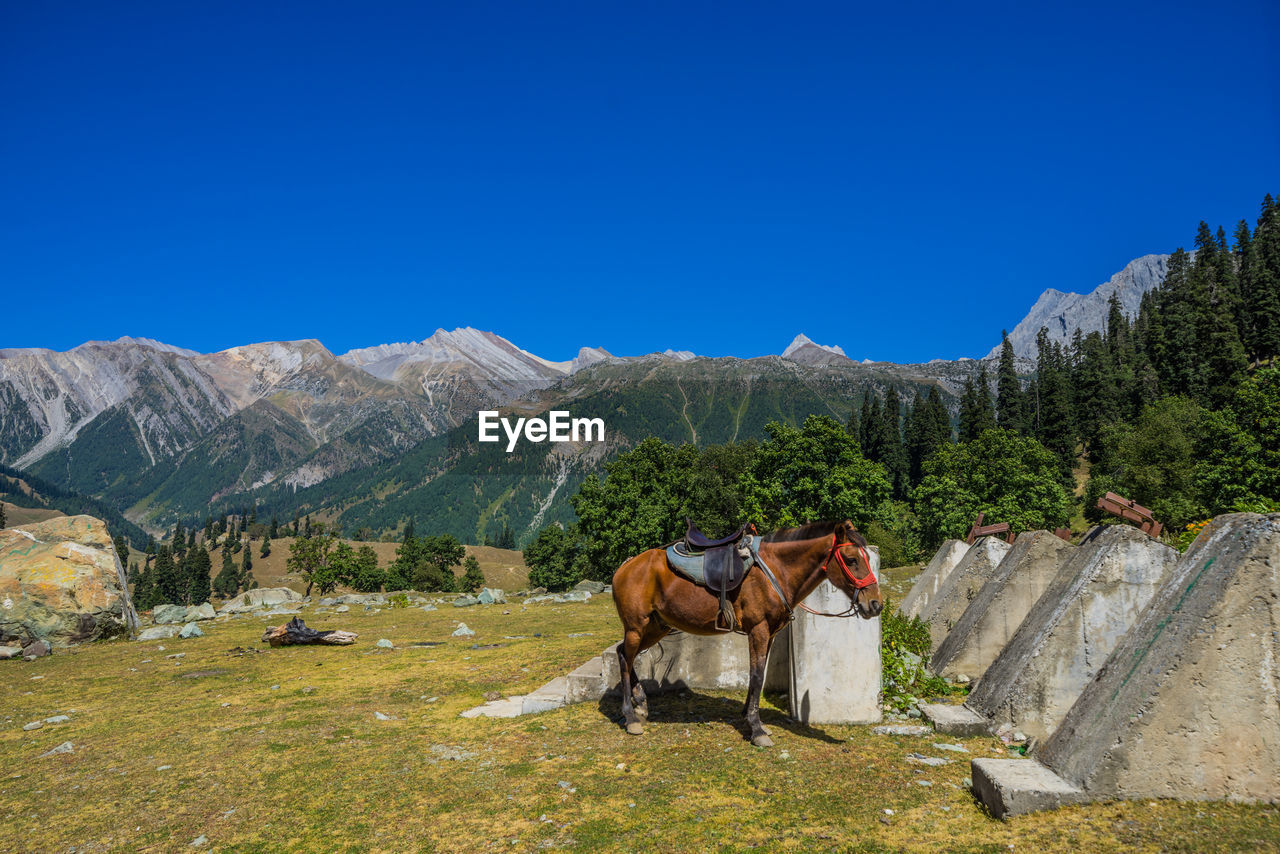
column 1024, row 574
column 553, row 695
column 954, row 720
column 683, row 660
column 1188, row 703
column 1011, row 787
column 932, row 577
column 835, row 663
column 1072, row 629
column 965, row 581
column 587, row 682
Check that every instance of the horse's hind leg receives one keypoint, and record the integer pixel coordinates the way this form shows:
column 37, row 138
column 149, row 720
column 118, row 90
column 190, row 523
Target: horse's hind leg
column 653, row 632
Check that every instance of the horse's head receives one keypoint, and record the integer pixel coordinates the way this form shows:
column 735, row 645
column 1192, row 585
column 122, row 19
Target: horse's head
column 848, row 567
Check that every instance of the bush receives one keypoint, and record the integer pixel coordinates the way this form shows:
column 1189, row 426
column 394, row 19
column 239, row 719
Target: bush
column 905, row 646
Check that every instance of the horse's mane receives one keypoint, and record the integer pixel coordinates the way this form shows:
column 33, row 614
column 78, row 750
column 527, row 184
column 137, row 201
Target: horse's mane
column 810, row 531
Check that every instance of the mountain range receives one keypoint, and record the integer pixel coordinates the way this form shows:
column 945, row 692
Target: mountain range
column 381, row 434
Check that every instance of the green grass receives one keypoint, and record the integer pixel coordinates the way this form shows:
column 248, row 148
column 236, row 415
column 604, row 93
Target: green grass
column 307, row 767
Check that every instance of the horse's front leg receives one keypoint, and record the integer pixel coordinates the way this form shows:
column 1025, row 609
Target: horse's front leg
column 627, row 651
column 759, row 641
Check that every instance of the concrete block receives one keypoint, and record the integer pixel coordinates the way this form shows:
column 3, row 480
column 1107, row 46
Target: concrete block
column 1187, row 705
column 1072, row 629
column 683, row 660
column 962, row 585
column 835, row 663
column 553, row 695
column 954, row 720
column 587, row 682
column 1024, row 574
column 1012, row 787
column 932, row 577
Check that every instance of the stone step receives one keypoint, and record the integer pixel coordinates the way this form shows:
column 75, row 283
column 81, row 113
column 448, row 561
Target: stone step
column 510, row 707
column 1012, row 787
column 553, row 695
column 955, row 720
column 587, row 683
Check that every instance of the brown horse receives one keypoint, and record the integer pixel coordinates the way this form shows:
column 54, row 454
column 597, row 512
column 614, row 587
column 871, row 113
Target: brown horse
column 652, row 600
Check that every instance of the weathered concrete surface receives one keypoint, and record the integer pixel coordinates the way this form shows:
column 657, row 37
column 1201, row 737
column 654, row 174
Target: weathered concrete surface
column 700, row 661
column 1188, row 704
column 954, row 720
column 1004, row 601
column 1072, row 629
column 835, row 664
column 61, row 582
column 1012, row 787
column 587, row 682
column 965, row 582
column 932, row 577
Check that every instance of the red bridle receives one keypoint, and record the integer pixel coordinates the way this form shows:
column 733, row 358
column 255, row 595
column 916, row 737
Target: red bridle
column 854, row 580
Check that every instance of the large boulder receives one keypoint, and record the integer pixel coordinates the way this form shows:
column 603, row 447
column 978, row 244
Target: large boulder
column 61, row 582
column 164, row 614
column 251, row 600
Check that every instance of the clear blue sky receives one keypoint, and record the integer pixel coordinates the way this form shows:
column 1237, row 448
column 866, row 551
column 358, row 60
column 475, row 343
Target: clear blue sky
column 903, row 182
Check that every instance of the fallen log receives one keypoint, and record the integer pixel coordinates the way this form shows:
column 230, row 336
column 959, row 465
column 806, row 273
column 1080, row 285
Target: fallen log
column 296, row 632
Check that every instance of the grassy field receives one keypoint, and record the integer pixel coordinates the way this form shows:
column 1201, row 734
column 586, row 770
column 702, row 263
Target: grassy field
column 261, row 749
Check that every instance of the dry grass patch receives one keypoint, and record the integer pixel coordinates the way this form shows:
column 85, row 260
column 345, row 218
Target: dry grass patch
column 280, row 749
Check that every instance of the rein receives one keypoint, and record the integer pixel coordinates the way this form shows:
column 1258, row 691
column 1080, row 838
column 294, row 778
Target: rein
column 858, row 583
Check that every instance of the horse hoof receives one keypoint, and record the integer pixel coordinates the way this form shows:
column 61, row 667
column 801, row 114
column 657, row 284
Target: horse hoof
column 635, row 729
column 762, row 741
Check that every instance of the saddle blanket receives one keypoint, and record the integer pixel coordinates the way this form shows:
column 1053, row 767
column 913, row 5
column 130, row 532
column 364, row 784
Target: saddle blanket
column 690, row 564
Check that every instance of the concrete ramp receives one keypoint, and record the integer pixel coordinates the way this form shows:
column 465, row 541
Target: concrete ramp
column 966, row 580
column 931, row 579
column 985, row 627
column 1188, row 704
column 718, row 662
column 1071, row 629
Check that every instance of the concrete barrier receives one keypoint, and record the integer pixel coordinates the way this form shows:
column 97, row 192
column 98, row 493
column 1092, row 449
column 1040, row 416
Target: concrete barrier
column 932, row 577
column 1071, row 630
column 835, row 663
column 985, row 627
column 966, row 580
column 717, row 662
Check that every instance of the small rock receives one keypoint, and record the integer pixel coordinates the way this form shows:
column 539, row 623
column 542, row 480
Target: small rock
column 954, row 748
column 924, row 783
column 463, row 632
column 961, row 679
column 158, row 633
column 380, row 716
column 36, row 649
column 164, row 768
column 429, row 607
column 465, row 601
column 199, row 842
column 65, row 747
column 275, row 687
column 57, row 719
column 913, row 713
column 490, row 696
column 592, row 587
column 932, row 761
column 33, row 725
column 902, row 729
column 176, row 655
column 10, row 652
column 191, row 630
column 385, row 644
column 342, row 609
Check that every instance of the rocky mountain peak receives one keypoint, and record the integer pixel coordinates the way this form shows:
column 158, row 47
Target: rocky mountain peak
column 806, row 351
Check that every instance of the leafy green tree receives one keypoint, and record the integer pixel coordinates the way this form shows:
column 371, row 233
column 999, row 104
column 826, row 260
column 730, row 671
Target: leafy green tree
column 363, row 574
column 472, row 577
column 309, row 557
column 439, row 555
column 555, row 558
column 1011, row 478
column 809, row 474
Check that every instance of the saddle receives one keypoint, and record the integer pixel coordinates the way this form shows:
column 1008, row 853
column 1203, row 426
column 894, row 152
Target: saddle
column 718, row 565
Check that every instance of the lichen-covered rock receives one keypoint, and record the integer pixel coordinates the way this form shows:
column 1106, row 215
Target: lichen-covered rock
column 203, row 611
column 253, row 599
column 162, row 615
column 158, row 633
column 190, row 630
column 61, row 581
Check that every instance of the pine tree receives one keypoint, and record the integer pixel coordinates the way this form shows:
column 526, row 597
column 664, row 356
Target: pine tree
column 227, row 582
column 1221, row 356
column 867, row 416
column 168, row 583
column 408, row 531
column 122, row 547
column 198, row 569
column 1055, row 427
column 928, row 428
column 976, row 412
column 295, row 524
column 266, row 545
column 1263, row 308
column 1010, row 407
column 3, row 523
column 1095, row 388
column 893, row 454
column 246, row 569
column 306, row 530
column 274, row 530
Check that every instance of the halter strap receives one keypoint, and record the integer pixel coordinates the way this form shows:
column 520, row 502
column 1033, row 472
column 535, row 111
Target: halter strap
column 856, row 582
